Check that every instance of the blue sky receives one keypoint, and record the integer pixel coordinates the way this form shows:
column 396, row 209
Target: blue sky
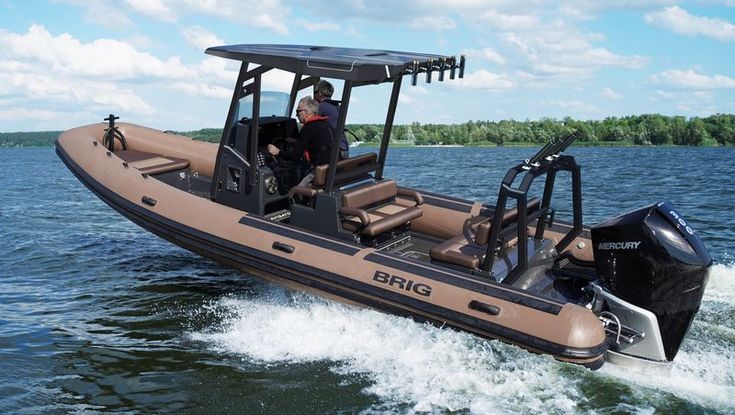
column 65, row 63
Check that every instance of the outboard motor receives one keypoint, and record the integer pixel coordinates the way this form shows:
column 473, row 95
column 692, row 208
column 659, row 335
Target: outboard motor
column 653, row 259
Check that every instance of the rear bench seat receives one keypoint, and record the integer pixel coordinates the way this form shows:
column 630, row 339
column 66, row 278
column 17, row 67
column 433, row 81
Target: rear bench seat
column 468, row 250
column 349, row 170
column 151, row 163
column 371, row 209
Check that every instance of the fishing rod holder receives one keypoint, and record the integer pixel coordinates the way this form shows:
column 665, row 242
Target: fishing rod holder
column 440, row 65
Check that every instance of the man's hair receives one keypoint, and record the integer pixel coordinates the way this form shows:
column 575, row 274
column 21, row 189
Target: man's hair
column 324, row 88
column 310, row 105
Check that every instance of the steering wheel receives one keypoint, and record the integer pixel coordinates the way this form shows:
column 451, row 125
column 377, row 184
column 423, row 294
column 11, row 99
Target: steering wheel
column 279, row 142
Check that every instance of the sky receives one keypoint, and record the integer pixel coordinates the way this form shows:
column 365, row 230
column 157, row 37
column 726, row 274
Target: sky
column 65, row 63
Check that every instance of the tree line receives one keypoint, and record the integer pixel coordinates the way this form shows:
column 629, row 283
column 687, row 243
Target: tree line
column 29, row 139
column 647, row 129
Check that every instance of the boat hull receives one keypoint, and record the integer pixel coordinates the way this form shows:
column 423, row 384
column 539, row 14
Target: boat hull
column 335, row 269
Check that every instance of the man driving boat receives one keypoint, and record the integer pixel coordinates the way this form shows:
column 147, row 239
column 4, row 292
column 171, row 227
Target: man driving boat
column 315, row 140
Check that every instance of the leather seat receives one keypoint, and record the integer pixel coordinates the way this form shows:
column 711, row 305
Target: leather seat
column 349, row 170
column 371, row 209
column 468, row 250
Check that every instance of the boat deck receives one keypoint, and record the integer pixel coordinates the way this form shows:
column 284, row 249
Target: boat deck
column 545, row 280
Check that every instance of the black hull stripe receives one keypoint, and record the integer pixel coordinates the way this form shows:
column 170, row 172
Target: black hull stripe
column 271, row 227
column 232, row 253
column 481, row 288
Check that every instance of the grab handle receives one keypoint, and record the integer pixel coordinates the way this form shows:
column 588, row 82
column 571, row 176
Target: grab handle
column 485, row 308
column 280, row 246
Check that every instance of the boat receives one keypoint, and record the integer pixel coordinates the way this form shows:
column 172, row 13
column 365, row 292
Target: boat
column 625, row 290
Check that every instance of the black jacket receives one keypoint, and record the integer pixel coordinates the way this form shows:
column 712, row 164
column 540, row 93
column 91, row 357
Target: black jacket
column 316, row 139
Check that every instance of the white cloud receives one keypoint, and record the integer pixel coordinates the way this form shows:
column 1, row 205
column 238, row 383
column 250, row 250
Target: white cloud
column 412, row 95
column 559, row 51
column 200, row 37
column 139, row 41
column 680, row 21
column 23, row 113
column 61, row 91
column 609, row 93
column 101, row 58
column 213, row 69
column 102, row 13
column 689, row 79
column 58, row 73
column 203, row 90
column 432, row 23
column 484, row 80
column 312, row 26
column 158, row 9
column 487, row 54
column 585, row 9
column 264, row 14
column 503, row 21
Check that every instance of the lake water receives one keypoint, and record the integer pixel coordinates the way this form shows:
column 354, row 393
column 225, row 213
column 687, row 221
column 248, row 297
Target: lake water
column 97, row 315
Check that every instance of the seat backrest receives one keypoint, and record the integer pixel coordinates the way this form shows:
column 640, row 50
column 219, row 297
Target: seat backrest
column 348, row 170
column 483, row 229
column 371, row 194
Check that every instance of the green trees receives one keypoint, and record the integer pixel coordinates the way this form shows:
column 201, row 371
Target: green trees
column 29, row 139
column 646, row 129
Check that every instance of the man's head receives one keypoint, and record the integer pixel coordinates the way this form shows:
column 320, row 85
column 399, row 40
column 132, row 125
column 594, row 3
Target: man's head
column 323, row 90
column 307, row 108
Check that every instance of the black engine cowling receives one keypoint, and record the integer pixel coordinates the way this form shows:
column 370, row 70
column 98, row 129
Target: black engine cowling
column 652, row 258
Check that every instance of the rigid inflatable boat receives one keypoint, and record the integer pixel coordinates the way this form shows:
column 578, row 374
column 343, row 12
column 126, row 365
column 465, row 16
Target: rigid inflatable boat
column 625, row 290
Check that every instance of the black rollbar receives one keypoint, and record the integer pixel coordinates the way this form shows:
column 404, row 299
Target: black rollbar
column 546, row 162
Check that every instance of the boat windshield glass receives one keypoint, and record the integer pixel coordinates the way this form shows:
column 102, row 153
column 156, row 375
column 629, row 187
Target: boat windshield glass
column 271, row 103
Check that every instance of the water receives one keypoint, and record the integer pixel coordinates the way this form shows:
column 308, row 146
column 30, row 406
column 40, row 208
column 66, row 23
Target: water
column 97, row 315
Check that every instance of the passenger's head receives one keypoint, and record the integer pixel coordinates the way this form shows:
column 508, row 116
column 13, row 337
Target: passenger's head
column 323, row 90
column 307, row 108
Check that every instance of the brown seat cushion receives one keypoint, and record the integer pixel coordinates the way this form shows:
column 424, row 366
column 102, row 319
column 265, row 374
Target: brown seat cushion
column 377, row 221
column 459, row 251
column 468, row 250
column 347, row 170
column 392, row 221
column 358, row 203
column 370, row 194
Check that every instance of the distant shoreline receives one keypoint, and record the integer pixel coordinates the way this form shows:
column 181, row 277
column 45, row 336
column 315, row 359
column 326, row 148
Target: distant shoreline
column 647, row 130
